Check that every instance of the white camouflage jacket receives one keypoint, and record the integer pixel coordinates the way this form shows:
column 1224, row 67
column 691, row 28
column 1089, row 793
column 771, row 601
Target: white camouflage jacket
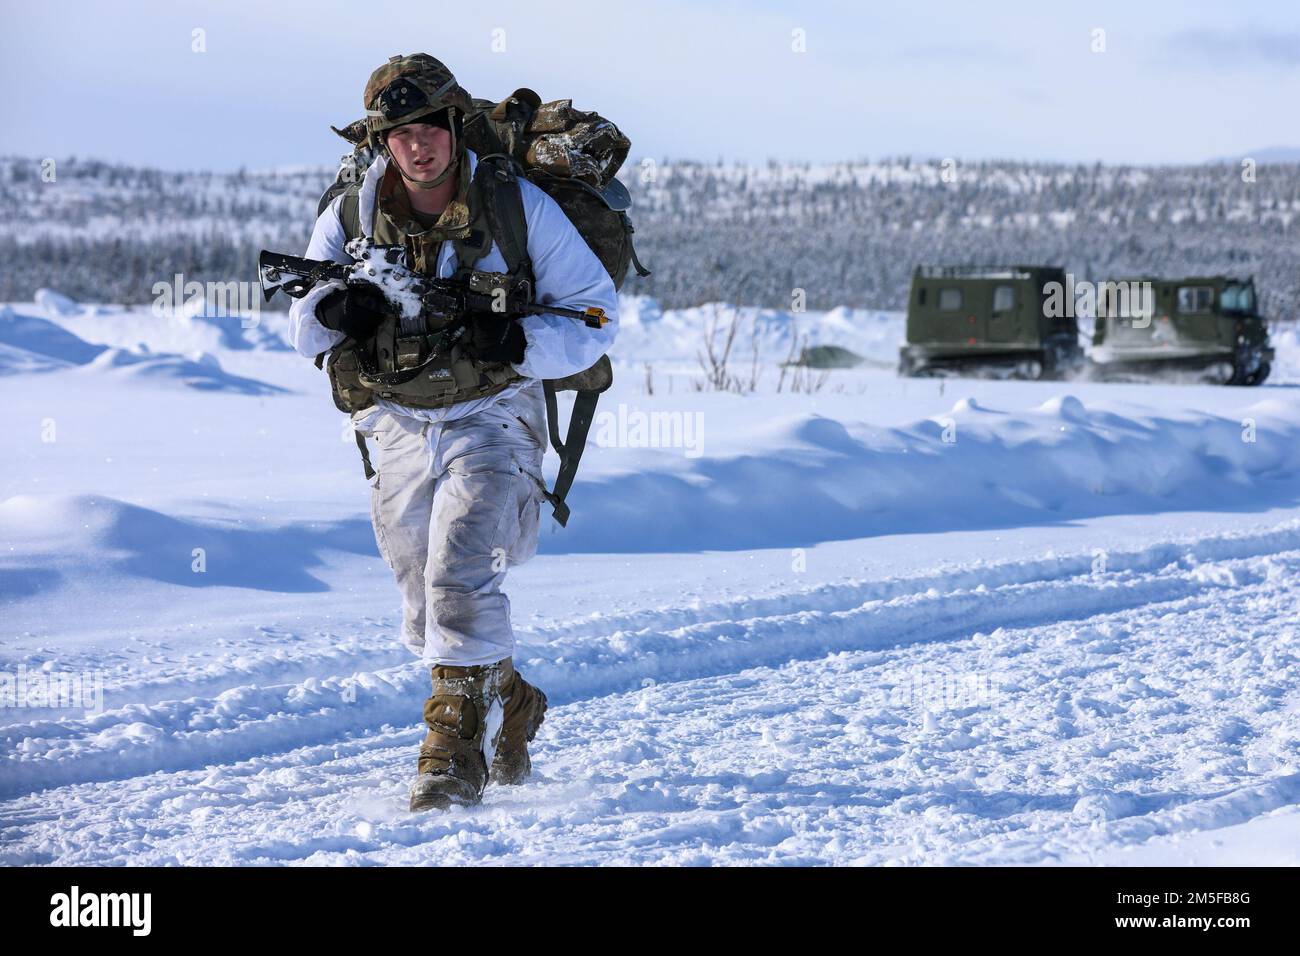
column 566, row 273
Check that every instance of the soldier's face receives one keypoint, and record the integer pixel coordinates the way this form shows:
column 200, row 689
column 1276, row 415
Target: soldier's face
column 421, row 151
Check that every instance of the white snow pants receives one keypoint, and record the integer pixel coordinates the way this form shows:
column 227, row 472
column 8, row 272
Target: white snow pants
column 455, row 505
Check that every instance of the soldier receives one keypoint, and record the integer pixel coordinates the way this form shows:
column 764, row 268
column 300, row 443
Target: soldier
column 456, row 500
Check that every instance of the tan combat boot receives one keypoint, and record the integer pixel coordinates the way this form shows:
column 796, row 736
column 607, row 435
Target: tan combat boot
column 525, row 708
column 464, row 714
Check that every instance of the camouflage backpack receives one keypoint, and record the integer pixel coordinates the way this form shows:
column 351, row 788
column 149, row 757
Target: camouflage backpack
column 571, row 155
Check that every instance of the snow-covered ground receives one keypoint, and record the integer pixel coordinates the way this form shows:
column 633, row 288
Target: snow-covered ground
column 890, row 621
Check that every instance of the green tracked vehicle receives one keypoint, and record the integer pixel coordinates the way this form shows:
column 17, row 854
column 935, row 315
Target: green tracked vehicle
column 1206, row 329
column 988, row 322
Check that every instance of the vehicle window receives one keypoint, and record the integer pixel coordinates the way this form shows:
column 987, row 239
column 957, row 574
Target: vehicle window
column 920, row 296
column 1004, row 298
column 949, row 300
column 1237, row 297
column 1195, row 298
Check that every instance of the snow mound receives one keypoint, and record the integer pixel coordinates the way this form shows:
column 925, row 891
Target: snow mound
column 44, row 338
column 201, row 370
column 1066, row 407
column 796, row 480
column 237, row 333
column 193, row 325
column 967, row 405
column 16, row 361
column 638, row 310
column 56, row 303
column 31, row 344
column 1286, row 344
column 88, row 537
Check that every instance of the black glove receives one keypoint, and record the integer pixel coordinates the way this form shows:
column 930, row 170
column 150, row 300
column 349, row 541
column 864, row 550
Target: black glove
column 494, row 337
column 355, row 310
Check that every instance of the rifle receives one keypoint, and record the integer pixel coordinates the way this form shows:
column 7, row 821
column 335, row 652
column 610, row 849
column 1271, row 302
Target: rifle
column 424, row 305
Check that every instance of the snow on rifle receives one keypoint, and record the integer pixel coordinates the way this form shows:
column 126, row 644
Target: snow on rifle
column 423, row 304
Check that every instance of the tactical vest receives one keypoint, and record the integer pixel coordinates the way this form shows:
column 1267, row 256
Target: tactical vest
column 496, row 213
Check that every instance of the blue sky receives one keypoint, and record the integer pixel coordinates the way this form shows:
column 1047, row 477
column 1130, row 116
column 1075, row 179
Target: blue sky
column 1178, row 81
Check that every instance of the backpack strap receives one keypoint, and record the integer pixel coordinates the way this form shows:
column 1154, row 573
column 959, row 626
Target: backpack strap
column 588, row 384
column 641, row 270
column 496, row 182
column 365, row 455
column 350, row 211
column 350, row 219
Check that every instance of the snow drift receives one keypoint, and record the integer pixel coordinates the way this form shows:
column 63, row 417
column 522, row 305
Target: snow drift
column 93, row 537
column 806, row 478
column 32, row 344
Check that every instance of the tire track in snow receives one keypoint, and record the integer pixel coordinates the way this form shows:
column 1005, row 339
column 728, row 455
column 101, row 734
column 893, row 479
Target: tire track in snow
column 249, row 669
column 851, row 594
column 214, row 677
column 902, row 799
column 254, row 720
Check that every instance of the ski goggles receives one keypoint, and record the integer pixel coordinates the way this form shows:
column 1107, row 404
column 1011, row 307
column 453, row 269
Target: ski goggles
column 406, row 97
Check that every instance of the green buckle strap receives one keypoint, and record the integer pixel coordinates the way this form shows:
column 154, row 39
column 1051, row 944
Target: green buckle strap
column 588, row 384
column 365, row 454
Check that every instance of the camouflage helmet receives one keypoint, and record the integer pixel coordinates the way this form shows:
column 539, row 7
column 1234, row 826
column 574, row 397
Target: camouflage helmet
column 407, row 88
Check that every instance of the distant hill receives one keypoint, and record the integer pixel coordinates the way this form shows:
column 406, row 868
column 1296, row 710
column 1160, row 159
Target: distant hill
column 844, row 233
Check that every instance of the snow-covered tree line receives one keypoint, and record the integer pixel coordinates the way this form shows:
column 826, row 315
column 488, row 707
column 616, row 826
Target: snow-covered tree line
column 845, row 234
